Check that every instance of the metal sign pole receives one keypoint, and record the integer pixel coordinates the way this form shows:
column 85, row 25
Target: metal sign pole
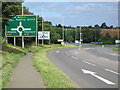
column 6, row 35
column 22, row 42
column 14, row 41
column 36, row 32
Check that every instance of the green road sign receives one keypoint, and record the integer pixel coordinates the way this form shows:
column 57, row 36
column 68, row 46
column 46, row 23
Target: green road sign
column 22, row 25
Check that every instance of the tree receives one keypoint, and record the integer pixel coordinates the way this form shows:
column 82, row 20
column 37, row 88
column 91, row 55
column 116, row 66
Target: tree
column 104, row 26
column 111, row 27
column 106, row 39
column 96, row 26
column 59, row 25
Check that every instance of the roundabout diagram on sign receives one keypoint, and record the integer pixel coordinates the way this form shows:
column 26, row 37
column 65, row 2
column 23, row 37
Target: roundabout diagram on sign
column 20, row 28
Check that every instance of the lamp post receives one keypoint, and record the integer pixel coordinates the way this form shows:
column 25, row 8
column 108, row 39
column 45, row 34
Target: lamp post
column 80, row 37
column 42, row 28
column 63, row 30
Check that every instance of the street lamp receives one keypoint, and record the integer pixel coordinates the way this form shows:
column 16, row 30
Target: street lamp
column 80, row 37
column 42, row 28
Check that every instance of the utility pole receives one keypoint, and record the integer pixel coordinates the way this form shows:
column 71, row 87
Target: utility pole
column 63, row 29
column 66, row 34
column 42, row 28
column 22, row 8
column 75, row 34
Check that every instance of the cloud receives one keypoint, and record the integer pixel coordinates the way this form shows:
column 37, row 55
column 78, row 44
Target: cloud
column 76, row 12
column 71, row 0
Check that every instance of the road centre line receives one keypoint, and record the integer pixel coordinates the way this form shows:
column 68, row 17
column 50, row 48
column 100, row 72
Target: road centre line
column 89, row 63
column 112, row 71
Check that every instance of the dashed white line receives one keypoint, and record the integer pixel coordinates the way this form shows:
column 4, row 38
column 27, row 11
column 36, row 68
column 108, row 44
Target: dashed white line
column 74, row 57
column 57, row 51
column 68, row 54
column 112, row 71
column 104, row 58
column 113, row 54
column 89, row 63
column 75, row 52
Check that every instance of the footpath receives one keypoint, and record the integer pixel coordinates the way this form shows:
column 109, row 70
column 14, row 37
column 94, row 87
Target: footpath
column 25, row 76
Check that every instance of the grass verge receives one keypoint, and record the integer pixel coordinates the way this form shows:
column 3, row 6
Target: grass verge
column 52, row 76
column 104, row 45
column 116, row 49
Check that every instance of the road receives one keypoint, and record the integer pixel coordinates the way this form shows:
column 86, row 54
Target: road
column 88, row 67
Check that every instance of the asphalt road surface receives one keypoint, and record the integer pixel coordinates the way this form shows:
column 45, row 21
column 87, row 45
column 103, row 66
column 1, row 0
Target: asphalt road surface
column 88, row 67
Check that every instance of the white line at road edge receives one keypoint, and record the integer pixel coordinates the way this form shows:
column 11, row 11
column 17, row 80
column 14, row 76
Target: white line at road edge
column 112, row 71
column 89, row 63
column 98, row 77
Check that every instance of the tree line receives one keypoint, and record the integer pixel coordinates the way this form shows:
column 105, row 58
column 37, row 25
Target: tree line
column 89, row 33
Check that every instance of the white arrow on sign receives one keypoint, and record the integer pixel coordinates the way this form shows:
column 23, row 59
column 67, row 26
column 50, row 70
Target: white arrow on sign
column 100, row 78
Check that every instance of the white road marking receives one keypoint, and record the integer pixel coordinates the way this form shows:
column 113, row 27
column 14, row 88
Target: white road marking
column 113, row 54
column 104, row 58
column 66, row 52
column 100, row 78
column 116, row 62
column 74, row 57
column 75, row 52
column 57, row 51
column 88, row 63
column 112, row 71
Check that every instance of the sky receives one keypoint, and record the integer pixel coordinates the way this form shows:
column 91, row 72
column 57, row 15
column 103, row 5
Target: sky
column 76, row 13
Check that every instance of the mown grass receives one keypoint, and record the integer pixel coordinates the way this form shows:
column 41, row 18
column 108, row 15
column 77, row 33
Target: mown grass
column 104, row 45
column 52, row 76
column 116, row 49
column 10, row 57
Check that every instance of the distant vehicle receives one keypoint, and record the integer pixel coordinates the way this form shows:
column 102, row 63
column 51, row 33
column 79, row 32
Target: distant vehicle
column 96, row 42
column 70, row 42
column 76, row 41
column 117, row 41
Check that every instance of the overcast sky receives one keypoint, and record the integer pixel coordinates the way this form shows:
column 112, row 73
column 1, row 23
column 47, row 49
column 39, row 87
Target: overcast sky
column 76, row 13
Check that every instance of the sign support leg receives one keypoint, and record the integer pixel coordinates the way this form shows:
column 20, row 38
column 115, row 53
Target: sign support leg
column 14, row 41
column 22, row 42
column 42, row 42
column 36, row 41
column 6, row 40
column 49, row 42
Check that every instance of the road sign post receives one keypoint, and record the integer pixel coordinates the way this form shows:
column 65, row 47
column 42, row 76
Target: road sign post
column 14, row 41
column 22, row 26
